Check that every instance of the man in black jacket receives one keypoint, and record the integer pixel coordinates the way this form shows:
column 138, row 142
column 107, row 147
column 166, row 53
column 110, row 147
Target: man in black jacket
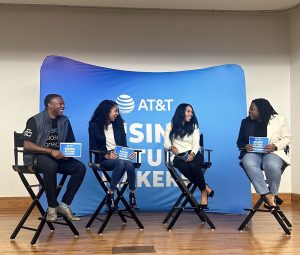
column 42, row 136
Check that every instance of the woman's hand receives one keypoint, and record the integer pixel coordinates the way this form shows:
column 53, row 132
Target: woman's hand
column 191, row 157
column 132, row 155
column 111, row 155
column 174, row 150
column 249, row 147
column 270, row 147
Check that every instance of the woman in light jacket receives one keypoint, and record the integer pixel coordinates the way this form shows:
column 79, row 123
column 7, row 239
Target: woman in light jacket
column 264, row 121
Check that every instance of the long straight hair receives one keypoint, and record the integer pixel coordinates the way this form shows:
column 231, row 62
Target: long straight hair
column 180, row 127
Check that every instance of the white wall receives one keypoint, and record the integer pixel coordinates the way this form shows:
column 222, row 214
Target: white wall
column 134, row 40
column 295, row 95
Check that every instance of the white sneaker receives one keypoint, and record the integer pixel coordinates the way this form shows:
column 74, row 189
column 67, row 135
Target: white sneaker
column 65, row 210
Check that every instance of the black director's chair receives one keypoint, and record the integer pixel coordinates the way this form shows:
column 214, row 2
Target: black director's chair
column 278, row 214
column 186, row 191
column 123, row 213
column 24, row 170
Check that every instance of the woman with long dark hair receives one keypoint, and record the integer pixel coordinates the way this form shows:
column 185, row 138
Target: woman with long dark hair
column 264, row 121
column 182, row 137
column 106, row 130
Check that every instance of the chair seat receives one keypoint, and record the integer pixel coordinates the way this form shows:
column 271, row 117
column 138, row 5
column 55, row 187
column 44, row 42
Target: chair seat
column 25, row 169
column 206, row 165
column 279, row 215
column 22, row 171
column 103, row 179
column 186, row 197
column 187, row 189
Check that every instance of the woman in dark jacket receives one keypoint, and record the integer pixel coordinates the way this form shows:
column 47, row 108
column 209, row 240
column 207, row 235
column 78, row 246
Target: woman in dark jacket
column 106, row 130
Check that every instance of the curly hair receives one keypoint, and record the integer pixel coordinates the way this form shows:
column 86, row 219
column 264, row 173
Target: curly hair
column 265, row 109
column 101, row 114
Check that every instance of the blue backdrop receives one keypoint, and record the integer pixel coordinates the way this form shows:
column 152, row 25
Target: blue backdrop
column 147, row 102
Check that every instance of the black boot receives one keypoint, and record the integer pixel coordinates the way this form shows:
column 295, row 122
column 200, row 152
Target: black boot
column 109, row 201
column 132, row 201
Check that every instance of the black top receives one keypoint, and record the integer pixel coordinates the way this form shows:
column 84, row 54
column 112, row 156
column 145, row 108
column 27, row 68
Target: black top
column 260, row 129
column 30, row 134
column 249, row 128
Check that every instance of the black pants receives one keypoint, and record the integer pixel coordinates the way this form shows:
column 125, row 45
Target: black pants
column 192, row 170
column 49, row 167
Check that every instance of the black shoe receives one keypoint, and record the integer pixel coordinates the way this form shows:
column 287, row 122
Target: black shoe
column 278, row 200
column 202, row 206
column 132, row 201
column 109, row 201
column 211, row 193
column 273, row 208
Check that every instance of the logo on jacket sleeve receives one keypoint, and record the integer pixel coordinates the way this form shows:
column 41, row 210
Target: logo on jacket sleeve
column 28, row 132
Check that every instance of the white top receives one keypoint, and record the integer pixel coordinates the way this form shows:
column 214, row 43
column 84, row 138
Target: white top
column 110, row 138
column 279, row 134
column 188, row 142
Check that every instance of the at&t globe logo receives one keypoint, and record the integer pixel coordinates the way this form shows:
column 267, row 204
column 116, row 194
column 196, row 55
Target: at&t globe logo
column 125, row 103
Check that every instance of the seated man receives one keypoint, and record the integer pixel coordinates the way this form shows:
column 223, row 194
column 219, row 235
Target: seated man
column 43, row 134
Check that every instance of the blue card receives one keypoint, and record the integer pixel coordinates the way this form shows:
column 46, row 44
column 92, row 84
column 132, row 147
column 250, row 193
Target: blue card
column 71, row 149
column 259, row 143
column 123, row 152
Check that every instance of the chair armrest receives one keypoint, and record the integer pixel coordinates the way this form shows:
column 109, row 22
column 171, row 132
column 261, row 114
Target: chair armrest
column 99, row 152
column 138, row 157
column 93, row 163
column 167, row 156
column 208, row 162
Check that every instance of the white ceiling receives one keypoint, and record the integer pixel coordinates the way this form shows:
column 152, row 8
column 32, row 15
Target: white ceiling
column 219, row 5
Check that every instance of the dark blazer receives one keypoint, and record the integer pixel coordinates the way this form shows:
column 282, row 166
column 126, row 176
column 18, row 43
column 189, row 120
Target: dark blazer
column 98, row 140
column 246, row 130
column 277, row 131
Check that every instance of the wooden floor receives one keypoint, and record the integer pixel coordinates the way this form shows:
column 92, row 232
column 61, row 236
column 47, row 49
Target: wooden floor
column 262, row 236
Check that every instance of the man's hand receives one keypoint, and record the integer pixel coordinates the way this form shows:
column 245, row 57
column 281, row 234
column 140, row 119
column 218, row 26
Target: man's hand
column 57, row 154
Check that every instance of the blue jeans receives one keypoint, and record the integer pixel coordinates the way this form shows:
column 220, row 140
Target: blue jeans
column 118, row 167
column 272, row 166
